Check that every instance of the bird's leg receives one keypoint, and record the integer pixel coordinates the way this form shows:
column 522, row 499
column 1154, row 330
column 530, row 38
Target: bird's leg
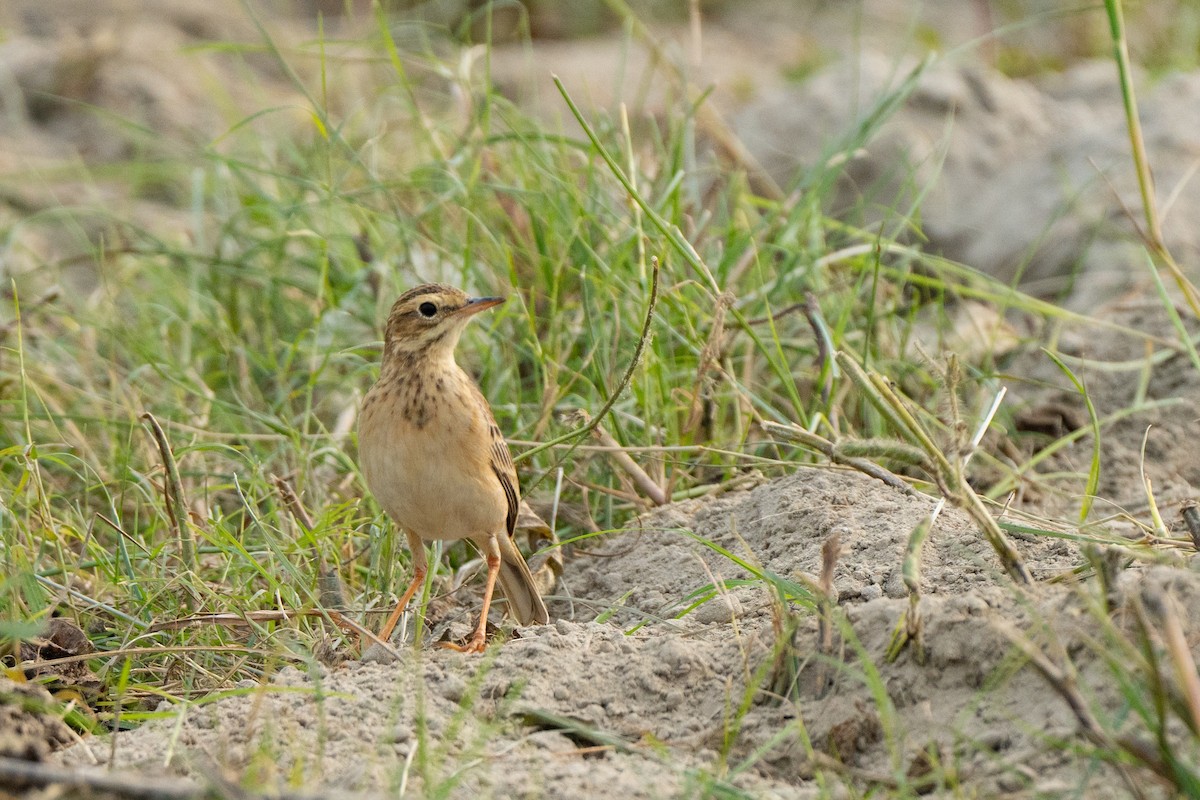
column 479, row 639
column 420, row 569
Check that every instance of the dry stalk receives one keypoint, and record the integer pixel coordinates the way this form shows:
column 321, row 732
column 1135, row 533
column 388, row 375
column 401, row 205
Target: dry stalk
column 825, row 366
column 250, row 618
column 710, row 356
column 948, row 474
column 94, row 781
column 1062, row 681
column 110, row 656
column 1185, row 693
column 330, row 592
column 708, row 119
column 1182, row 661
column 617, row 453
column 914, row 629
column 831, row 551
column 1107, row 563
column 1160, row 527
column 175, row 501
column 1191, row 520
column 846, row 453
column 1152, row 233
column 785, row 657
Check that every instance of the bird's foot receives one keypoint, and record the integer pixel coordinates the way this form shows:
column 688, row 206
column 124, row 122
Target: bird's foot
column 476, row 644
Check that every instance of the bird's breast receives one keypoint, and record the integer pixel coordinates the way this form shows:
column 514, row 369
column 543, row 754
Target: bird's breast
column 424, row 449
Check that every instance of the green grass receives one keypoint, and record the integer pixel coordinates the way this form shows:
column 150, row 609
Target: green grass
column 251, row 333
column 252, row 337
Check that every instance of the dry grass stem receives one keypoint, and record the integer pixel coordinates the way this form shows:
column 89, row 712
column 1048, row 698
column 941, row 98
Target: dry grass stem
column 175, row 501
column 87, row 782
column 331, row 592
column 1191, row 520
column 1062, row 680
column 710, row 357
column 827, row 598
column 835, row 452
column 948, row 475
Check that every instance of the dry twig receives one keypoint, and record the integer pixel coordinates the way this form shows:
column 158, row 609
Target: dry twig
column 130, row 785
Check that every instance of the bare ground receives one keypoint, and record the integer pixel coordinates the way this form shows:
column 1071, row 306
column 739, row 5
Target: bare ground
column 582, row 708
column 652, row 703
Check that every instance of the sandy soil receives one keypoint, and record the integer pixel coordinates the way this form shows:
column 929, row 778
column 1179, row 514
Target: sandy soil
column 581, row 708
column 655, row 702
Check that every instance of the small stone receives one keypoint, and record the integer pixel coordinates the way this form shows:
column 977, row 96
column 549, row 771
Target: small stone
column 893, row 584
column 554, row 741
column 974, row 605
column 995, row 740
column 399, row 734
column 677, row 657
column 593, row 713
column 376, row 654
column 453, row 688
column 722, row 608
column 532, row 650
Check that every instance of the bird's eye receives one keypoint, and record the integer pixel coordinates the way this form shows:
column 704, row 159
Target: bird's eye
column 427, row 309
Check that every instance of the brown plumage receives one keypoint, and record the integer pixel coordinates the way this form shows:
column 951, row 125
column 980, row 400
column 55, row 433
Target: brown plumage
column 433, row 455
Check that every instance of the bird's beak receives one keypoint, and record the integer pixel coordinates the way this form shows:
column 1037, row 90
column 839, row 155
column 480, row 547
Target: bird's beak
column 477, row 304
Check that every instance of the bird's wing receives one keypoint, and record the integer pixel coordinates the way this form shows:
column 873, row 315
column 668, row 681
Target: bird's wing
column 502, row 466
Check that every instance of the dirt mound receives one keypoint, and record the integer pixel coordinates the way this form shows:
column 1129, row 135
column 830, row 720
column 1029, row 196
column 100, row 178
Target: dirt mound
column 652, row 703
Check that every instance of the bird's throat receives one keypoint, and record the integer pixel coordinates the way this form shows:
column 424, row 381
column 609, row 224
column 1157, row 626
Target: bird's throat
column 419, row 383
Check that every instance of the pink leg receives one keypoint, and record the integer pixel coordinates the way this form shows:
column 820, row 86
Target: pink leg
column 420, row 569
column 478, row 640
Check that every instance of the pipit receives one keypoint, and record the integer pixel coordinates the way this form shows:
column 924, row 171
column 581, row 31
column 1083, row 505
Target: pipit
column 434, row 457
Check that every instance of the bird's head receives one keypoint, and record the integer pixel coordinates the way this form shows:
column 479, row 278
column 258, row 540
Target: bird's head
column 429, row 319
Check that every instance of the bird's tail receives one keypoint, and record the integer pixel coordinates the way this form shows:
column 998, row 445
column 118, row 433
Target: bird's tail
column 524, row 602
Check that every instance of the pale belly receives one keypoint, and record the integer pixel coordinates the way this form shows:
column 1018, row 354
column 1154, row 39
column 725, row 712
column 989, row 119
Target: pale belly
column 435, row 481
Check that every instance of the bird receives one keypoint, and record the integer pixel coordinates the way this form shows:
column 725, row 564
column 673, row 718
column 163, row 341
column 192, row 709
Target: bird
column 434, row 457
